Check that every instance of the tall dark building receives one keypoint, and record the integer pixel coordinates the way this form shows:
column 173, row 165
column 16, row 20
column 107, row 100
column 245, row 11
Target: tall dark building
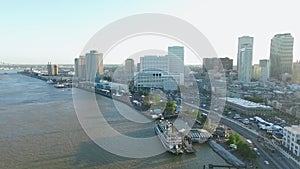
column 76, row 66
column 281, row 55
column 227, row 63
column 218, row 64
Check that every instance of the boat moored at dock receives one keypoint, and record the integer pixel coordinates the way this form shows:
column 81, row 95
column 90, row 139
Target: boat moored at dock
column 169, row 136
column 59, row 85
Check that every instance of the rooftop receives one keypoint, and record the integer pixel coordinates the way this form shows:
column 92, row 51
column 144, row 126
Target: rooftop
column 294, row 129
column 246, row 103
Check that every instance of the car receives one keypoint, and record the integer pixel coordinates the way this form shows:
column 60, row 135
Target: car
column 236, row 116
column 245, row 121
column 266, row 162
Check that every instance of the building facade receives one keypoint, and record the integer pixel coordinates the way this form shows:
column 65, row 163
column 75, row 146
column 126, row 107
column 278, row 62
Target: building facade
column 244, row 58
column 211, row 64
column 176, row 59
column 94, row 65
column 129, row 66
column 76, row 67
column 173, row 63
column 155, row 78
column 296, row 72
column 154, row 62
column 52, row 70
column 256, row 72
column 227, row 63
column 265, row 70
column 129, row 69
column 218, row 64
column 81, row 68
column 291, row 139
column 281, row 55
column 138, row 67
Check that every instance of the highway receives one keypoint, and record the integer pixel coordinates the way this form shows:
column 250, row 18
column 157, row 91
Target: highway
column 265, row 154
column 277, row 160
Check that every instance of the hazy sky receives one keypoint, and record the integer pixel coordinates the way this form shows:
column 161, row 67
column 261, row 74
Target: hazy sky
column 36, row 31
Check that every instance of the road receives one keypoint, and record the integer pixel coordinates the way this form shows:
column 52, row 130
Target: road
column 277, row 159
column 265, row 154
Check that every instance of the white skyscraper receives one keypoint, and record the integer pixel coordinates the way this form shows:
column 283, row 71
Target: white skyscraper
column 176, row 59
column 94, row 65
column 244, row 58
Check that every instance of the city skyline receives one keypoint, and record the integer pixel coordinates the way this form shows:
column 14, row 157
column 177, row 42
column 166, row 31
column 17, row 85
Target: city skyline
column 43, row 32
column 150, row 84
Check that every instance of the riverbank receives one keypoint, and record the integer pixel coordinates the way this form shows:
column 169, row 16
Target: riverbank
column 45, row 133
column 57, row 81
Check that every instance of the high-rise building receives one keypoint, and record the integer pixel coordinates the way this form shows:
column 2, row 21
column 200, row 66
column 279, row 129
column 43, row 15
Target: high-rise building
column 52, row 69
column 176, row 59
column 138, row 67
column 94, row 65
column 76, row 67
column 81, row 68
column 211, row 64
column 218, row 64
column 173, row 63
column 129, row 69
column 265, row 70
column 129, row 66
column 281, row 55
column 244, row 58
column 256, row 72
column 227, row 63
column 296, row 72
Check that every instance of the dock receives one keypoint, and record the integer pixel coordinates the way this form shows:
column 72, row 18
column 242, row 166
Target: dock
column 226, row 155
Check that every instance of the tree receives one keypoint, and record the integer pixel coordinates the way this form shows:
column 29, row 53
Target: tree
column 255, row 99
column 203, row 119
column 170, row 107
column 235, row 139
column 143, row 93
column 198, row 115
column 242, row 147
column 231, row 139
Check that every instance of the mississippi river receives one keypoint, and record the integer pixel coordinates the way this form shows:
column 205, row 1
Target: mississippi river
column 39, row 129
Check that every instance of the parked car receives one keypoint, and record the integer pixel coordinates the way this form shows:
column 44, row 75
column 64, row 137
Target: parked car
column 245, row 121
column 236, row 116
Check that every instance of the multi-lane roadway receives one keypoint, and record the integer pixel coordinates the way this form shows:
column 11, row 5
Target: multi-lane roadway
column 274, row 160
